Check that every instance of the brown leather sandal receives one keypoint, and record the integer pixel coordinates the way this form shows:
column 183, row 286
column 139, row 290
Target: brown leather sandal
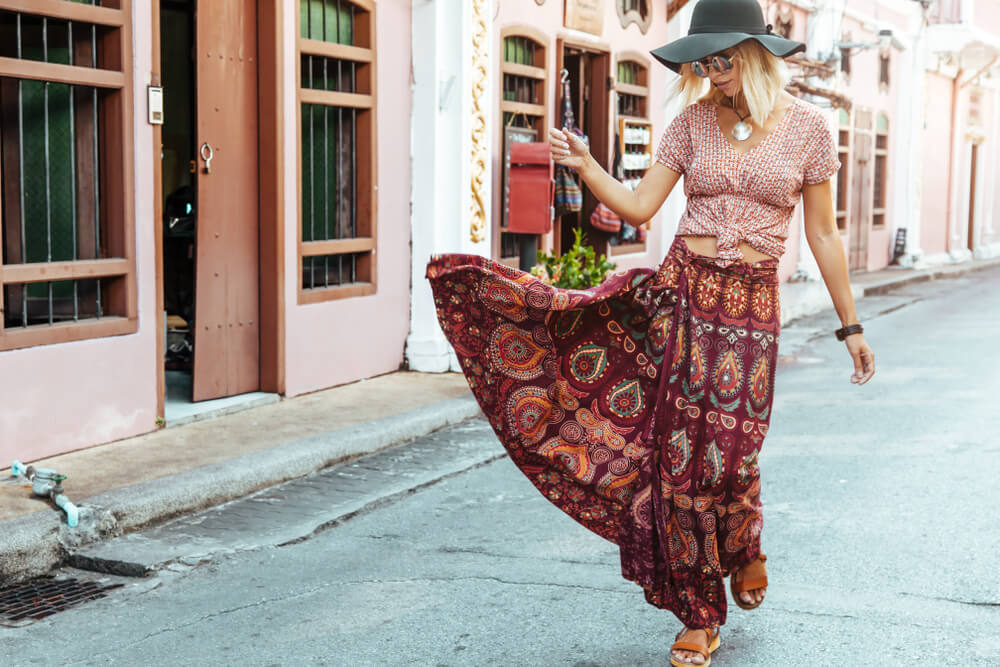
column 750, row 577
column 713, row 644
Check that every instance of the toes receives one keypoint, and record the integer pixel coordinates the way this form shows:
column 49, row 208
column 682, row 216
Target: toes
column 688, row 657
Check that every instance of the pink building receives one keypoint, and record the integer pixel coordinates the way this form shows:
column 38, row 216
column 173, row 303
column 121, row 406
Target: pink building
column 191, row 208
column 960, row 209
column 216, row 202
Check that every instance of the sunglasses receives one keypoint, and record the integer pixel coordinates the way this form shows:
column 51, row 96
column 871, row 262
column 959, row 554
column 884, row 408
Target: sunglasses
column 721, row 63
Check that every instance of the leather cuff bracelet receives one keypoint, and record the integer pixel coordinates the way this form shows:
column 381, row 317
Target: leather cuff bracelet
column 844, row 332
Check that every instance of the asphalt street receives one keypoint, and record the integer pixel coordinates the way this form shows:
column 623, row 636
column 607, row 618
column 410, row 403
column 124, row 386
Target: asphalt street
column 880, row 509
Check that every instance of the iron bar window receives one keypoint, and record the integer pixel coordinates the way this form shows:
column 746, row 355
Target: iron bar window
column 843, row 154
column 881, row 164
column 337, row 147
column 66, row 250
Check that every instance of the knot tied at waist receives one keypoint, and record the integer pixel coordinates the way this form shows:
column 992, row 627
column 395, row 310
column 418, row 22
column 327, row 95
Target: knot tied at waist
column 735, row 218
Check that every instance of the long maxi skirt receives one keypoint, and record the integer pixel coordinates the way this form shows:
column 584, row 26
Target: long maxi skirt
column 638, row 407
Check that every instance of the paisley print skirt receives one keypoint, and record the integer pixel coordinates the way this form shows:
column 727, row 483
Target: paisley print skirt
column 638, row 407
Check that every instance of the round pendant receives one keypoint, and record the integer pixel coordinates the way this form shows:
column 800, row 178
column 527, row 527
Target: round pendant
column 742, row 130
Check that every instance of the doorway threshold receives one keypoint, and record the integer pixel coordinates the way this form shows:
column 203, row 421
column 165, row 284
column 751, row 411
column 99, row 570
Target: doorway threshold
column 179, row 410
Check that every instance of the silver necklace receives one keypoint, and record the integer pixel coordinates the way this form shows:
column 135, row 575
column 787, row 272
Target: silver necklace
column 741, row 131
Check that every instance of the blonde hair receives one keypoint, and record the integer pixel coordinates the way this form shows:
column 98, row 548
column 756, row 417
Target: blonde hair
column 763, row 76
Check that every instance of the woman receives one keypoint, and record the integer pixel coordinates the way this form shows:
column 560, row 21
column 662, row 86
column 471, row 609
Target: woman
column 639, row 407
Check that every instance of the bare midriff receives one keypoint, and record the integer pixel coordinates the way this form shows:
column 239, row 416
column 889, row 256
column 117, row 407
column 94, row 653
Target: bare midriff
column 705, row 245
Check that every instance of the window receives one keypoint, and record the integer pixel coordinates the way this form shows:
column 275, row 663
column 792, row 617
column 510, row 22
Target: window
column 337, row 239
column 524, row 109
column 68, row 261
column 883, row 72
column 843, row 154
column 881, row 161
column 845, row 58
column 783, row 20
column 945, row 11
column 635, row 11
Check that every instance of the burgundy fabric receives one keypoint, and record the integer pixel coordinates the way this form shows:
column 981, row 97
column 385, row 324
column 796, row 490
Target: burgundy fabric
column 638, row 407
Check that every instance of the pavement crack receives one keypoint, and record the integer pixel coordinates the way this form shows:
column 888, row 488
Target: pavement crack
column 970, row 603
column 319, row 589
column 506, row 582
column 387, row 500
column 492, row 554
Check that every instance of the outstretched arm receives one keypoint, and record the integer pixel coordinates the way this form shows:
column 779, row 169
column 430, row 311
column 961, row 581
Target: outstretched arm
column 824, row 241
column 634, row 207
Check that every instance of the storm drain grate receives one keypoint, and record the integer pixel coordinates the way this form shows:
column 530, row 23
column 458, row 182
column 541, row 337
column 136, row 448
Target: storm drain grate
column 23, row 604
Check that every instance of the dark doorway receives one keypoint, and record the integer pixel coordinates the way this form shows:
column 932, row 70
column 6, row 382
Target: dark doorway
column 178, row 182
column 588, row 69
column 210, row 189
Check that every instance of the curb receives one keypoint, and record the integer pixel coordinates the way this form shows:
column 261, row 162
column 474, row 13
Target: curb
column 813, row 297
column 927, row 275
column 35, row 543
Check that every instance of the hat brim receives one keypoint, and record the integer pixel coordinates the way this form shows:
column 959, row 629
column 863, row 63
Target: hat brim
column 702, row 44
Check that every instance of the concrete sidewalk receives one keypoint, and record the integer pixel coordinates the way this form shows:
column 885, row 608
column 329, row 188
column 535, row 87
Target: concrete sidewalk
column 126, row 485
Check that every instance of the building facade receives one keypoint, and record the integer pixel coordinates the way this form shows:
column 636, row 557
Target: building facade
column 192, row 210
column 203, row 200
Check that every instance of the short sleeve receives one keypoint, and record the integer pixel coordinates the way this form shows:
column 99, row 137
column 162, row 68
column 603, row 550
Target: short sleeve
column 821, row 161
column 675, row 150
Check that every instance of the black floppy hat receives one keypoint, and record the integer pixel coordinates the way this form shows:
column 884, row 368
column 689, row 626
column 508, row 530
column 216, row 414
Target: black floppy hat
column 717, row 25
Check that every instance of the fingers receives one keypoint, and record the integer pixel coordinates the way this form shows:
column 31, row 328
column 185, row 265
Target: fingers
column 565, row 144
column 859, row 367
column 559, row 146
column 868, row 359
column 864, row 365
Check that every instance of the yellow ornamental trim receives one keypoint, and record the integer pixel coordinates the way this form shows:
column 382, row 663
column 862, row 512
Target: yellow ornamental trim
column 480, row 148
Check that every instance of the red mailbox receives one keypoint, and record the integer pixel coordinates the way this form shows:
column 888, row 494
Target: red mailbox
column 531, row 186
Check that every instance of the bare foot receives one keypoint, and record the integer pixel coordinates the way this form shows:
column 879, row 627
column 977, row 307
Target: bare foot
column 755, row 570
column 756, row 595
column 696, row 636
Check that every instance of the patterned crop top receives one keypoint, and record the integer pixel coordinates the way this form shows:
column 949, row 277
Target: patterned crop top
column 751, row 196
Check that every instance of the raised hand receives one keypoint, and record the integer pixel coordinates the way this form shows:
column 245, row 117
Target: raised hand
column 567, row 148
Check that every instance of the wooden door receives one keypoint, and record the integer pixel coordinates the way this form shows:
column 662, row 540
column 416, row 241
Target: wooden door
column 860, row 219
column 227, row 340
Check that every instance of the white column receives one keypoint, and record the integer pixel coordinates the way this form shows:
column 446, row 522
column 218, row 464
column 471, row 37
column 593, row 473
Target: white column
column 909, row 140
column 824, row 30
column 441, row 154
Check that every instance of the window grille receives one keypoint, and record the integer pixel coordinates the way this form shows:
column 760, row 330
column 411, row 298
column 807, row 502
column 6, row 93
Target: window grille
column 337, row 140
column 843, row 154
column 67, row 269
column 945, row 11
column 879, row 186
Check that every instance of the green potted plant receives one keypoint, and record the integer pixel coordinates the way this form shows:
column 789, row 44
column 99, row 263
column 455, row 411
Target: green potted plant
column 578, row 268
